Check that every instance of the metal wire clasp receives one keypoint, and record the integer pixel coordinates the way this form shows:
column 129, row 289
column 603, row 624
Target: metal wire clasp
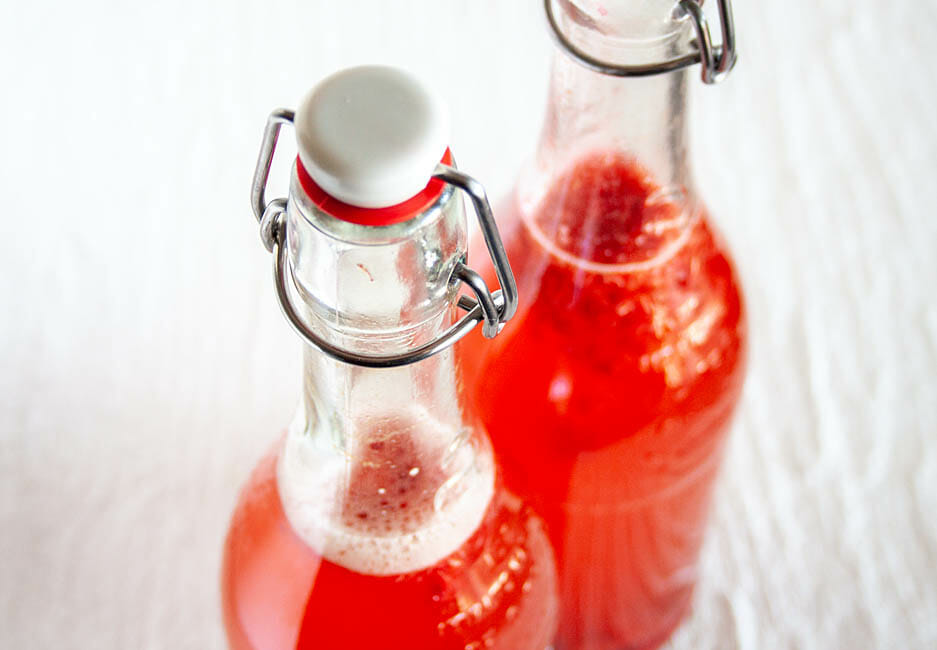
column 716, row 61
column 493, row 309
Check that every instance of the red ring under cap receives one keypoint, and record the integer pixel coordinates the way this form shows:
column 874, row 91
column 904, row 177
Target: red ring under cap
column 372, row 216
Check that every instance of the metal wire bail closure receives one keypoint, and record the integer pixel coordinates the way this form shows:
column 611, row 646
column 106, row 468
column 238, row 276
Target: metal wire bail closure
column 716, row 61
column 493, row 309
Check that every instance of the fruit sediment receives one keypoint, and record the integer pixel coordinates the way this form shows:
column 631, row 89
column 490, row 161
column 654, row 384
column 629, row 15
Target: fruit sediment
column 313, row 571
column 609, row 397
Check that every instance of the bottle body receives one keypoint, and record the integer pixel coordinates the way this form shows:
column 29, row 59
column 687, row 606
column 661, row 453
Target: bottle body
column 608, row 399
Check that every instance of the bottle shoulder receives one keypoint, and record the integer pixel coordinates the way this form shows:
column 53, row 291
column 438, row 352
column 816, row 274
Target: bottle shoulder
column 691, row 297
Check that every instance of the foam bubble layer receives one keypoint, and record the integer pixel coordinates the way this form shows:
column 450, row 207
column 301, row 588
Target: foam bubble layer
column 400, row 499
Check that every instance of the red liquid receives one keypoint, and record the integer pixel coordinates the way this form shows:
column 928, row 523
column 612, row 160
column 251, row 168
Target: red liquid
column 608, row 400
column 498, row 590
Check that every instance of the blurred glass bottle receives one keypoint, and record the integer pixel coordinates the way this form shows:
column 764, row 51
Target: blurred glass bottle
column 379, row 520
column 608, row 399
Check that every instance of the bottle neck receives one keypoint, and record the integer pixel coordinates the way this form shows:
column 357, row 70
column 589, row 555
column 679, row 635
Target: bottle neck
column 642, row 118
column 382, row 472
column 611, row 182
column 377, row 290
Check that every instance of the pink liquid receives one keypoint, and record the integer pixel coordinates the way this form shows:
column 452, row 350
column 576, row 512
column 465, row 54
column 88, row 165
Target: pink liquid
column 496, row 590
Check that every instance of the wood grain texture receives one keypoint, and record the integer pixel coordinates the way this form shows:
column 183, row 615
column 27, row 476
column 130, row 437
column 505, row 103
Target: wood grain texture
column 145, row 365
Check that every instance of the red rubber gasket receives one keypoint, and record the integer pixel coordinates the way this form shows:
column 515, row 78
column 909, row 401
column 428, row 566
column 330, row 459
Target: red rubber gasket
column 372, row 216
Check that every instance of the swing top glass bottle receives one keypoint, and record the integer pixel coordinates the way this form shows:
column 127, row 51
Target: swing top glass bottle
column 379, row 519
column 626, row 358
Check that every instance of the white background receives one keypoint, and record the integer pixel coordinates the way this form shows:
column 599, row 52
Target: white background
column 144, row 365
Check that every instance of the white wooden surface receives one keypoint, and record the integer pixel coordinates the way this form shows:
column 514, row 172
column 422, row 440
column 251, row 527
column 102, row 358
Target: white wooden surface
column 144, row 365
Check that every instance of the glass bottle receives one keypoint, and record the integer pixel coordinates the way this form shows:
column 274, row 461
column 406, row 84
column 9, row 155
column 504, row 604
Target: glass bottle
column 608, row 399
column 379, row 520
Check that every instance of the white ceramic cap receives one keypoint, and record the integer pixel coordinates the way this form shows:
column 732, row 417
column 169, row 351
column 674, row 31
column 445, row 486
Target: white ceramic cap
column 371, row 136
